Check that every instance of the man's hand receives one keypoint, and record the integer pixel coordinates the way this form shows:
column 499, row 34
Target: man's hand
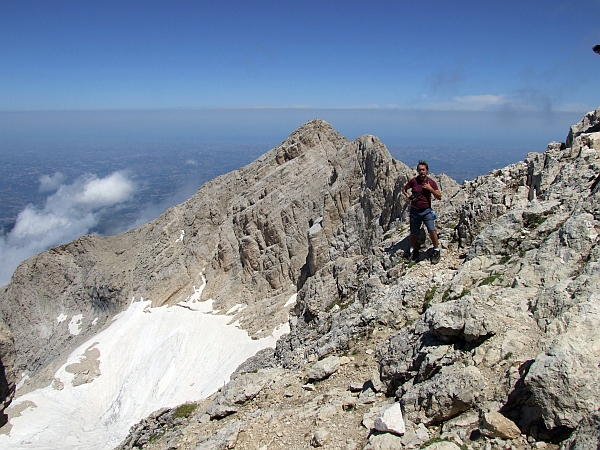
column 436, row 193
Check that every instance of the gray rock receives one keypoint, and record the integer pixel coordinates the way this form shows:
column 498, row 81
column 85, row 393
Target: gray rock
column 324, row 368
column 384, row 441
column 378, row 385
column 7, row 363
column 565, row 380
column 447, row 394
column 443, row 445
column 495, row 425
column 225, row 438
column 460, row 318
column 355, row 386
column 368, row 420
column 235, row 393
column 589, row 123
column 320, row 437
column 586, row 435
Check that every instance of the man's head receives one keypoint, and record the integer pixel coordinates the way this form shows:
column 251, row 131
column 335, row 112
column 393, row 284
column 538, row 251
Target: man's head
column 422, row 168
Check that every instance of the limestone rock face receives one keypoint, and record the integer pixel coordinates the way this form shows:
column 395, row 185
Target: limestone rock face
column 589, row 124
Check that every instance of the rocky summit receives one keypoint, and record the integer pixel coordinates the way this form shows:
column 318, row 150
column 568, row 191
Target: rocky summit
column 495, row 347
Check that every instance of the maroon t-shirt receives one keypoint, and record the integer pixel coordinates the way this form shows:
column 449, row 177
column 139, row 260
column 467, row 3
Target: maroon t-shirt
column 424, row 196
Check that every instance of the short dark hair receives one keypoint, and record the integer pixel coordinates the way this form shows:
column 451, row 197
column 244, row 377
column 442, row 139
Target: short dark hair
column 422, row 162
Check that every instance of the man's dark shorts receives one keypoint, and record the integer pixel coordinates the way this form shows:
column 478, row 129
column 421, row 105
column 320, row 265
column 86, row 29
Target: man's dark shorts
column 419, row 216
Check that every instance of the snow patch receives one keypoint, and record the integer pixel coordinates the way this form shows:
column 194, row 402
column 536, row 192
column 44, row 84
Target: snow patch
column 180, row 238
column 193, row 301
column 150, row 358
column 24, row 378
column 291, row 301
column 280, row 330
column 61, row 318
column 95, row 321
column 236, row 308
column 75, row 324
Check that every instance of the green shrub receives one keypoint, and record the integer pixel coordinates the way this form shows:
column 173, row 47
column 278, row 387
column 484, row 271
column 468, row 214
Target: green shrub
column 184, row 410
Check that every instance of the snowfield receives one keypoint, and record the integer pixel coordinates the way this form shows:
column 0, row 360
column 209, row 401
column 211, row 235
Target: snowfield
column 149, row 358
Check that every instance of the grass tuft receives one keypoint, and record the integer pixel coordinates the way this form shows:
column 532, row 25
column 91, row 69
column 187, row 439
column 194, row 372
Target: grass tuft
column 428, row 297
column 184, row 410
column 490, row 279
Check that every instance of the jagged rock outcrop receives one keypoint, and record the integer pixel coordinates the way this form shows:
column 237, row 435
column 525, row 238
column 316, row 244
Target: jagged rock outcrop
column 522, row 308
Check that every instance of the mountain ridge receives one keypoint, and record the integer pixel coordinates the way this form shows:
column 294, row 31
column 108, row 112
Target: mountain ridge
column 337, row 241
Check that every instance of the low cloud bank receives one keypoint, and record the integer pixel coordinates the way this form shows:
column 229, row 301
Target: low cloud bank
column 71, row 211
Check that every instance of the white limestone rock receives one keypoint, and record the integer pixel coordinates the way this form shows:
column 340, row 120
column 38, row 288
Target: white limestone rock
column 324, row 368
column 391, row 421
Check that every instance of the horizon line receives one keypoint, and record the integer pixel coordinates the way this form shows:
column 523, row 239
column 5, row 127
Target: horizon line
column 400, row 108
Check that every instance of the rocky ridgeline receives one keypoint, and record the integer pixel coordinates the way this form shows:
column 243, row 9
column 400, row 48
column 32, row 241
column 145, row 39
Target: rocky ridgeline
column 256, row 234
column 495, row 347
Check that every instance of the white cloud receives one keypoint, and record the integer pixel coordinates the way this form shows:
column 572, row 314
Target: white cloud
column 51, row 183
column 70, row 212
column 115, row 188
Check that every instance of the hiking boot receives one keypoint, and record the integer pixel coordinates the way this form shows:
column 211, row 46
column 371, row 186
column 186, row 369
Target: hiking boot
column 435, row 256
column 411, row 256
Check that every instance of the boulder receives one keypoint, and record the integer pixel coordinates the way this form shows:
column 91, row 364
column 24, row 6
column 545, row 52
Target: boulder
column 235, row 393
column 391, row 421
column 565, row 379
column 495, row 425
column 453, row 390
column 320, row 437
column 324, row 368
column 383, row 441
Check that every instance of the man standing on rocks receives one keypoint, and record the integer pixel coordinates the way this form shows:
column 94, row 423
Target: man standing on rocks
column 422, row 188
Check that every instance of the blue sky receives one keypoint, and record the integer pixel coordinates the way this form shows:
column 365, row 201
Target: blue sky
column 432, row 72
